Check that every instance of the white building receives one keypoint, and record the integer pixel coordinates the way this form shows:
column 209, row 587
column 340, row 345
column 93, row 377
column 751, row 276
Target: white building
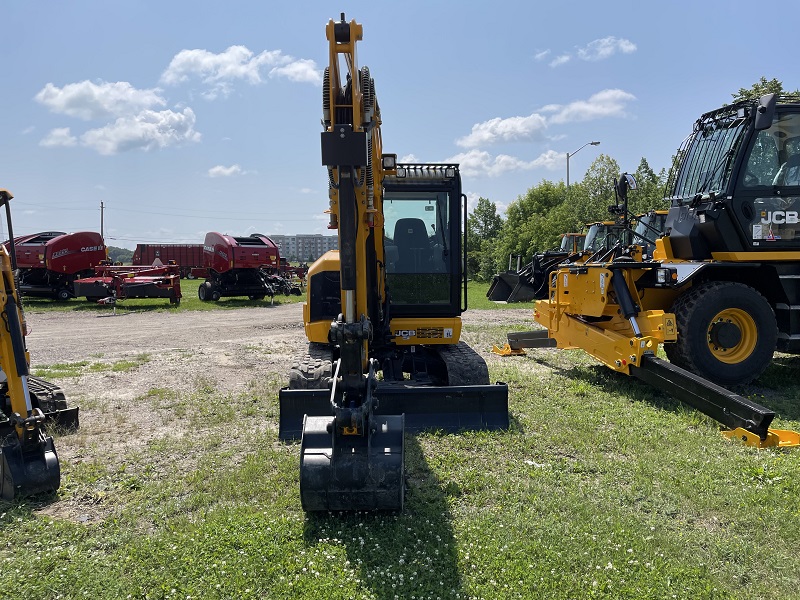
column 305, row 247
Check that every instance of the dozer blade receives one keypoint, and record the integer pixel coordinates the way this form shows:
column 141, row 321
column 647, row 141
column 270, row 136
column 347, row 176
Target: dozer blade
column 25, row 471
column 347, row 473
column 745, row 420
column 446, row 408
column 49, row 397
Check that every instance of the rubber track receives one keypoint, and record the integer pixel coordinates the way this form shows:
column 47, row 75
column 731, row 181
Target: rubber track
column 312, row 370
column 464, row 365
column 48, row 396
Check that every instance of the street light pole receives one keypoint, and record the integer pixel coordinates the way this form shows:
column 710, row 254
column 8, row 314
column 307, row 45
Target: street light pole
column 573, row 154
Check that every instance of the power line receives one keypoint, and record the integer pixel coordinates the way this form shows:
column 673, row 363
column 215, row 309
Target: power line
column 245, row 217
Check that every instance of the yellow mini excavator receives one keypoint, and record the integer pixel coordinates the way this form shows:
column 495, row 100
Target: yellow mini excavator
column 383, row 312
column 28, row 460
column 721, row 291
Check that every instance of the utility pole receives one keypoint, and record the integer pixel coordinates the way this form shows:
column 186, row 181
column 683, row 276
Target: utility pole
column 573, row 154
column 102, row 206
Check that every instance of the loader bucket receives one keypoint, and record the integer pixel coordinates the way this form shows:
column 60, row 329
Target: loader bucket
column 446, row 408
column 501, row 286
column 25, row 471
column 339, row 473
column 511, row 287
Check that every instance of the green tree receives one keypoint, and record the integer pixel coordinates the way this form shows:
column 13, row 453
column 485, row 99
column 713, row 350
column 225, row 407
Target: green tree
column 534, row 222
column 122, row 255
column 483, row 228
column 763, row 87
column 649, row 194
column 484, row 223
column 598, row 185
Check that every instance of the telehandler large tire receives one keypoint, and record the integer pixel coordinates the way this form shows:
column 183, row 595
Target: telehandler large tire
column 727, row 332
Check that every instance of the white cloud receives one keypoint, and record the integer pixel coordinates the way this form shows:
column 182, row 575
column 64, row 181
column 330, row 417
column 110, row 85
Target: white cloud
column 539, row 56
column 136, row 124
column 237, row 63
column 59, row 137
column 560, row 60
column 512, row 129
column 479, row 163
column 86, row 100
column 146, row 131
column 28, row 130
column 551, row 160
column 408, row 158
column 220, row 171
column 606, row 103
column 596, row 50
column 605, row 47
column 300, row 70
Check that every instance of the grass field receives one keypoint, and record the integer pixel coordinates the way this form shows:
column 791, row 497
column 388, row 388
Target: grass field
column 602, row 488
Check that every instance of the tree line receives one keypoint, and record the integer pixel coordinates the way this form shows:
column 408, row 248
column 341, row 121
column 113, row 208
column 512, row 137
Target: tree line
column 535, row 221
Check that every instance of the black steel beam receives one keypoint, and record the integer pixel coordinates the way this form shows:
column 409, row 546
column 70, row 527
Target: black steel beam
column 722, row 405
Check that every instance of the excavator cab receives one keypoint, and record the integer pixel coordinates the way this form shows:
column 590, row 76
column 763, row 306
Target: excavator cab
column 421, row 209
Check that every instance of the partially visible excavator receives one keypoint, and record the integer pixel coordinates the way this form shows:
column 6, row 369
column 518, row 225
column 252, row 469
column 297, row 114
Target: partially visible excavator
column 28, row 460
column 722, row 289
column 382, row 314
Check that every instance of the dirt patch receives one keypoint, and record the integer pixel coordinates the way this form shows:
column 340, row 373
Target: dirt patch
column 123, row 411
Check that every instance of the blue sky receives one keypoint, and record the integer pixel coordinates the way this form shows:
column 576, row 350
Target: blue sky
column 189, row 117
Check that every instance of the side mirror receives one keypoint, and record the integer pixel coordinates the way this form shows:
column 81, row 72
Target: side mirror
column 765, row 112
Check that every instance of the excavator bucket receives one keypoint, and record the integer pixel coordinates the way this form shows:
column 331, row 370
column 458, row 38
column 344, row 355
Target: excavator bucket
column 339, row 473
column 445, row 408
column 27, row 469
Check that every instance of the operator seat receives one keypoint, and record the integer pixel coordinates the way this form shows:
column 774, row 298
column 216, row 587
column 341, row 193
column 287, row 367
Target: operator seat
column 413, row 246
column 789, row 173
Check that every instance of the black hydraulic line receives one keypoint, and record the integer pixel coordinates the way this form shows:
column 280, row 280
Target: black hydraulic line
column 724, row 406
column 347, row 229
column 11, row 247
column 14, row 328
